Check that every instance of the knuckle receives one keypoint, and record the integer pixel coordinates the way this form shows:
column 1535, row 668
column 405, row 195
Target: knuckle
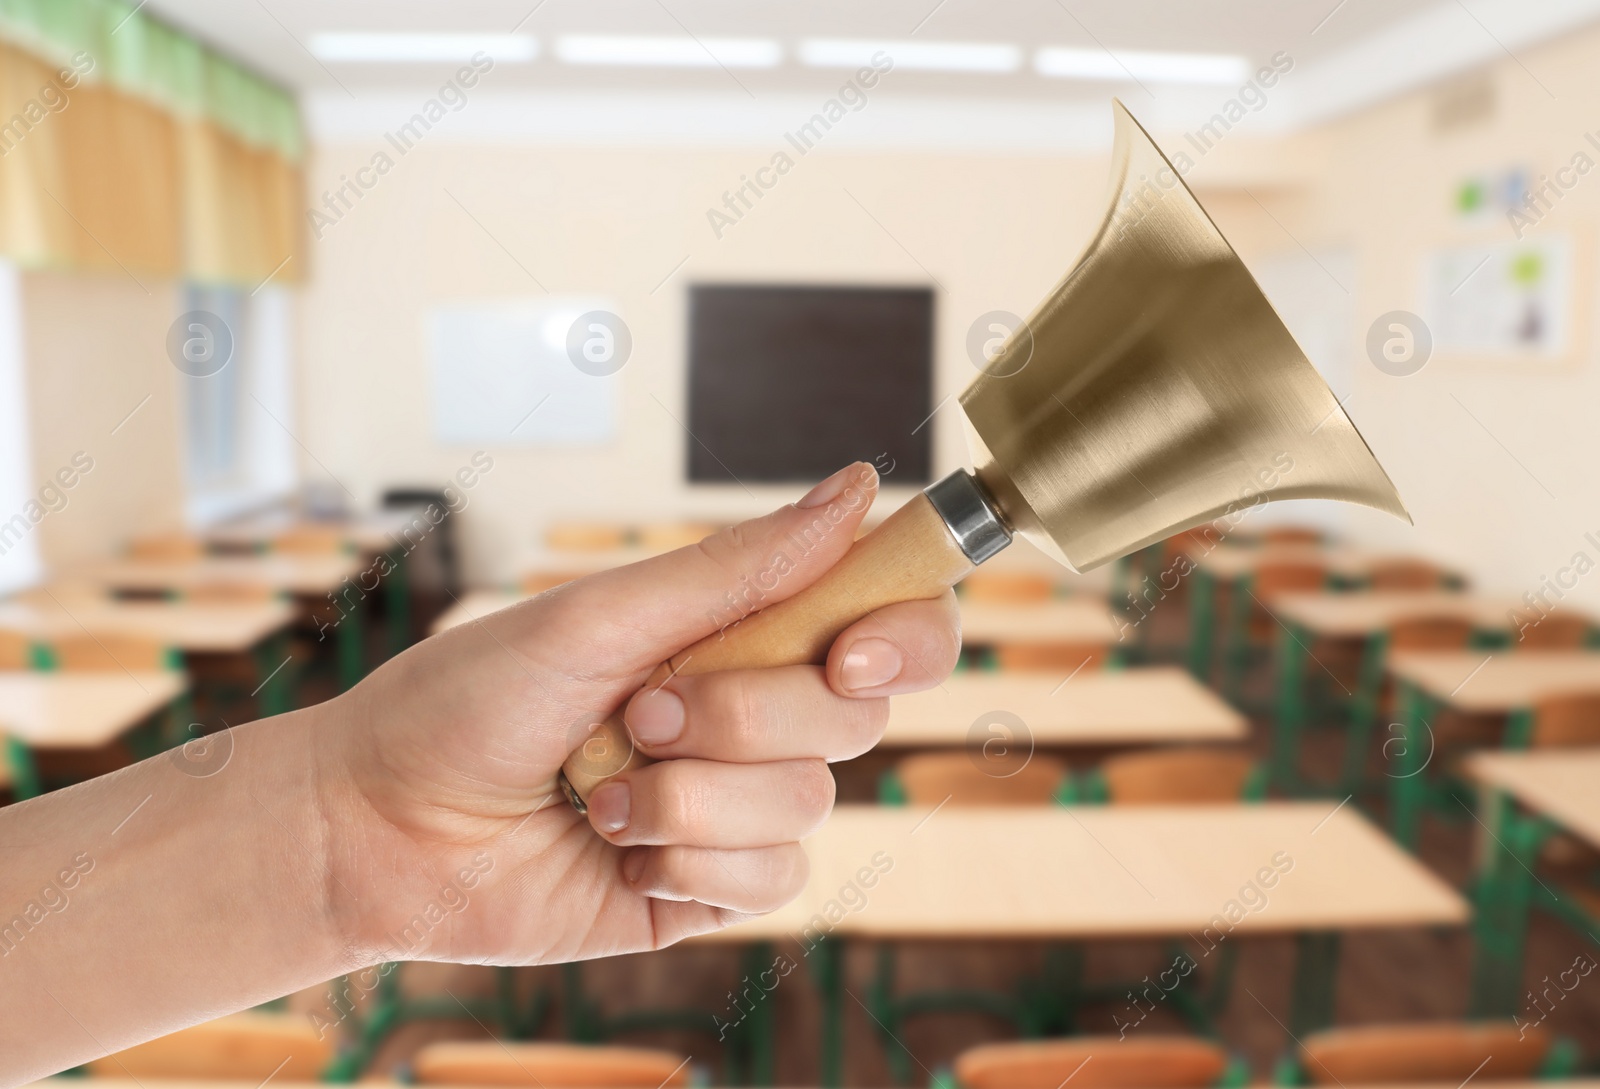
column 735, row 707
column 680, row 799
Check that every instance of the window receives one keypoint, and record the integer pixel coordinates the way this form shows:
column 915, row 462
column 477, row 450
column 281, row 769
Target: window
column 19, row 546
column 238, row 411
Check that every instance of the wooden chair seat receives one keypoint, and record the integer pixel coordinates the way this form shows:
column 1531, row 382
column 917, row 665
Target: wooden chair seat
column 109, row 653
column 1405, row 575
column 1007, row 587
column 973, row 778
column 537, row 582
column 672, row 535
column 571, row 1066
column 1566, row 720
column 1051, row 657
column 1558, row 631
column 1445, row 1052
column 1093, row 1062
column 1280, row 536
column 246, row 1047
column 1177, row 776
column 167, row 546
column 1280, row 577
column 16, row 650
column 230, row 593
column 585, row 537
column 309, row 540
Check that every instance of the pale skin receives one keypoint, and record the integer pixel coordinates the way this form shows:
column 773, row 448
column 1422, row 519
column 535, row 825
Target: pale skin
column 328, row 830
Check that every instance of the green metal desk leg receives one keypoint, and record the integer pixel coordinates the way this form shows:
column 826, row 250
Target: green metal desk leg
column 274, row 696
column 827, row 968
column 24, row 772
column 762, row 1028
column 350, row 651
column 1202, row 620
column 1236, row 637
column 583, row 1018
column 1315, row 968
column 1291, row 709
column 399, row 604
column 1408, row 786
column 886, row 1011
column 1363, row 713
column 1504, row 895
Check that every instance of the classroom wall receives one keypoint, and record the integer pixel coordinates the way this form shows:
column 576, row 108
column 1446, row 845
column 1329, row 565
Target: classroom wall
column 1495, row 460
column 996, row 234
column 1490, row 458
column 94, row 350
column 991, row 232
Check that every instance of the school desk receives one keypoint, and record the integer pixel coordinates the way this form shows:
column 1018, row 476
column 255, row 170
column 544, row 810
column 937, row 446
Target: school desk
column 1095, row 707
column 53, row 710
column 331, row 580
column 1091, row 872
column 390, row 532
column 1082, row 618
column 1483, row 682
column 1528, row 797
column 1235, row 566
column 1364, row 616
column 257, row 628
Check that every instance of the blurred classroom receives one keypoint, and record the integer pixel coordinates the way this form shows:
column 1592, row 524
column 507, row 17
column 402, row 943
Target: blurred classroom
column 327, row 325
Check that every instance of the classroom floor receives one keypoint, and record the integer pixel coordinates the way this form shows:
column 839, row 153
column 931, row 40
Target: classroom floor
column 1383, row 976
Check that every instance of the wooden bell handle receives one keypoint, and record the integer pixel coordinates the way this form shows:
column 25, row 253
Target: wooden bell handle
column 911, row 556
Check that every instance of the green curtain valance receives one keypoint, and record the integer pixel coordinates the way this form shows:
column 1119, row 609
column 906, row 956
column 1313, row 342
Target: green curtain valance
column 138, row 54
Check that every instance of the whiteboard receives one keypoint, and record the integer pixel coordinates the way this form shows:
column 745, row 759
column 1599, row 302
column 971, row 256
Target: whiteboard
column 502, row 374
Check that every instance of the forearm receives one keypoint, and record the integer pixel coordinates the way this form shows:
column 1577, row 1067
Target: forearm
column 165, row 894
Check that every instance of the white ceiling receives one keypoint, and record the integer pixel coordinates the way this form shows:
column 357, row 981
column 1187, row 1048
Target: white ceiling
column 1346, row 53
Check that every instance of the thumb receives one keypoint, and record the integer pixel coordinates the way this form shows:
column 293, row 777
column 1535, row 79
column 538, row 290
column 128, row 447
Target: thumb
column 635, row 617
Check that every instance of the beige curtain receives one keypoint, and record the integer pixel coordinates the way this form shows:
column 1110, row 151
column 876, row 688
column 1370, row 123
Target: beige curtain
column 96, row 178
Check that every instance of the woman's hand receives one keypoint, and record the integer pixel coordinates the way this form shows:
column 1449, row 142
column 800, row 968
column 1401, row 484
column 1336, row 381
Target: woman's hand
column 448, row 838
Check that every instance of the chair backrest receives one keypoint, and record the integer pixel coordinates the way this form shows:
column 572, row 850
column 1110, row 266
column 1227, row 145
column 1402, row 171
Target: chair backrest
column 310, row 540
column 1054, row 657
column 1288, row 577
column 1558, row 631
column 246, row 1047
column 585, row 536
column 1093, row 1062
column 1444, row 1052
column 106, row 652
column 666, row 536
column 1567, row 719
column 229, row 593
column 166, row 546
column 1007, row 587
column 1430, row 633
column 1405, row 575
column 570, row 1066
column 16, row 650
column 1177, row 776
column 974, row 778
column 1291, row 535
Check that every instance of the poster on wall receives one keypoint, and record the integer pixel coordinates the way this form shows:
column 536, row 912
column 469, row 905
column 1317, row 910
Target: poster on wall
column 504, row 372
column 1507, row 302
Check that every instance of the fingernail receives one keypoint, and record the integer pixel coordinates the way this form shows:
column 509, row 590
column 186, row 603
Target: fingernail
column 609, row 806
column 633, row 864
column 656, row 717
column 828, row 490
column 869, row 663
